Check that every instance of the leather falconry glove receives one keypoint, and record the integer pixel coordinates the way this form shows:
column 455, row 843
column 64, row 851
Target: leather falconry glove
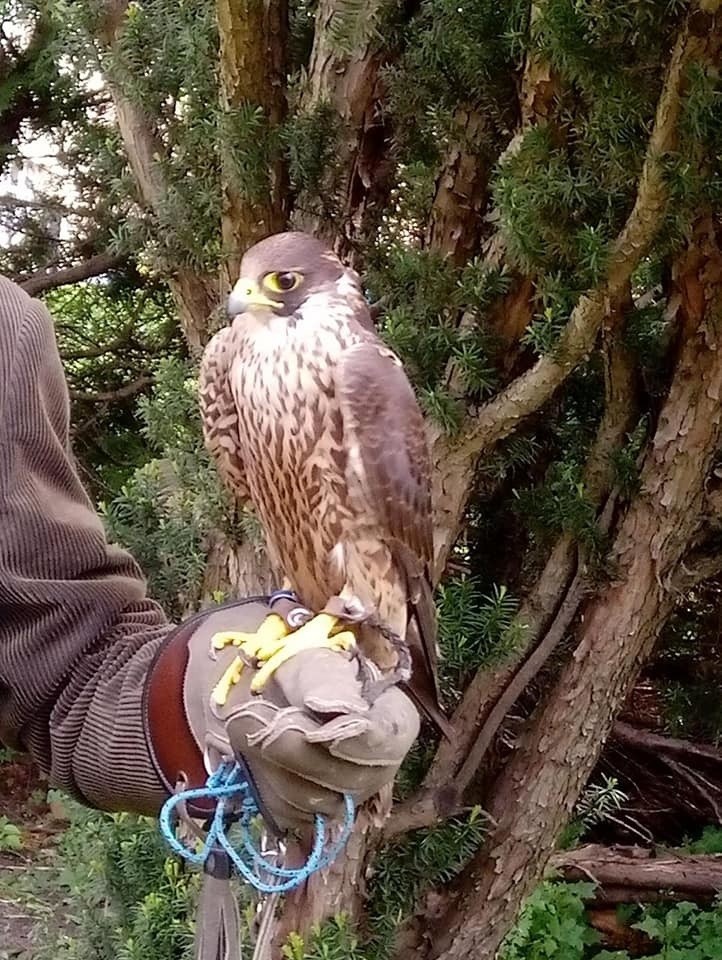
column 300, row 724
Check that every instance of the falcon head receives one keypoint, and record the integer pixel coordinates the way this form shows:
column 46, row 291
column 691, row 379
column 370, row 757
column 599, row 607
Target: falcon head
column 280, row 273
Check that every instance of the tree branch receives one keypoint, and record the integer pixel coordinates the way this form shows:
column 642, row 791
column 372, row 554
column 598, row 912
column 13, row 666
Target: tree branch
column 654, row 743
column 57, row 206
column 96, row 266
column 700, row 786
column 455, row 463
column 697, row 568
column 142, row 145
column 100, row 349
column 111, row 396
column 713, row 505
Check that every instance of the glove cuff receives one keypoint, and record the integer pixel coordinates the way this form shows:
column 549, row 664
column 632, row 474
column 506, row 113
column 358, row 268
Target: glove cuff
column 171, row 744
column 175, row 750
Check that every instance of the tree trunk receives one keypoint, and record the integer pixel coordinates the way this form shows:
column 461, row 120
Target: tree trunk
column 253, row 40
column 350, row 83
column 537, row 791
column 456, row 220
column 339, row 890
column 195, row 294
column 236, row 570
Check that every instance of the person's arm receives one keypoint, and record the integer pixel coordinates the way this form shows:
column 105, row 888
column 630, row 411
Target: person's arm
column 93, row 678
column 77, row 630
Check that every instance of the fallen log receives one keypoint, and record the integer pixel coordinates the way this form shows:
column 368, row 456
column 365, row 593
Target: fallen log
column 655, row 743
column 639, row 875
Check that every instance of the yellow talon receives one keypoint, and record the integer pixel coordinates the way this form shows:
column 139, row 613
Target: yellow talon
column 273, row 629
column 344, row 641
column 313, row 635
column 230, row 677
column 274, row 644
column 269, row 637
column 220, row 641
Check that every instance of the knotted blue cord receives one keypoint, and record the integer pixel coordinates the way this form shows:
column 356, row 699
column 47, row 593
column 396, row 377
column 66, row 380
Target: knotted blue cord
column 228, row 782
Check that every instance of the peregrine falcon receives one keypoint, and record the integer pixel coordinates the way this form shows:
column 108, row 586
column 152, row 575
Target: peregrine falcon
column 312, row 421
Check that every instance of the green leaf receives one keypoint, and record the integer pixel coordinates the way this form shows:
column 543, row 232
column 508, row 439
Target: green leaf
column 11, row 837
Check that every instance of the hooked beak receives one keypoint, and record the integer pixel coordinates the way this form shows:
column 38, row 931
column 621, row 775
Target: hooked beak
column 246, row 295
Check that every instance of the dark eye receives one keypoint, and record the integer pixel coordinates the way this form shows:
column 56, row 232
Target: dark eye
column 282, row 282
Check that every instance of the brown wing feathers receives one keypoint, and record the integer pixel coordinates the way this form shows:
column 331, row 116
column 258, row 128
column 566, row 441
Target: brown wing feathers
column 383, row 418
column 219, row 417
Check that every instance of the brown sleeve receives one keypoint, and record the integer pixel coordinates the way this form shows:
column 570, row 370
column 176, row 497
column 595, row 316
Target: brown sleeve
column 77, row 630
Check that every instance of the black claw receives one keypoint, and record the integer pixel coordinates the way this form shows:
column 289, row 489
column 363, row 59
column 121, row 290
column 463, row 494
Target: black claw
column 365, row 673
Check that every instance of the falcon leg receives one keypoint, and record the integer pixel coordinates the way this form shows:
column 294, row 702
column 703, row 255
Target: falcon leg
column 373, row 681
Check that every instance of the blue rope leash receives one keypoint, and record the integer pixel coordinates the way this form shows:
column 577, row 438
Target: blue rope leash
column 225, row 784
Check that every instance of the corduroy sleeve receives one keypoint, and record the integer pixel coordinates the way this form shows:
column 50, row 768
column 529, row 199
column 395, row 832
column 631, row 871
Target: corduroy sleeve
column 77, row 630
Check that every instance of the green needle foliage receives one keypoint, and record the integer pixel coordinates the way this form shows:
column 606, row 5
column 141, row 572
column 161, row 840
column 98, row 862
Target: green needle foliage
column 475, row 629
column 130, row 900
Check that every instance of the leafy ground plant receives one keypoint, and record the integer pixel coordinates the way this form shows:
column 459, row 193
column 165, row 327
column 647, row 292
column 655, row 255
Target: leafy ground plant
column 109, row 891
column 11, row 837
column 553, row 926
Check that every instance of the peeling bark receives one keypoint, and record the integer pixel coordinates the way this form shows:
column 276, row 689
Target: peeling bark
column 456, row 220
column 536, row 793
column 351, row 84
column 244, row 566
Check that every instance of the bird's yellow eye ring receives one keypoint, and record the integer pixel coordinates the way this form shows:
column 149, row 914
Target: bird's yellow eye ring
column 282, row 282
